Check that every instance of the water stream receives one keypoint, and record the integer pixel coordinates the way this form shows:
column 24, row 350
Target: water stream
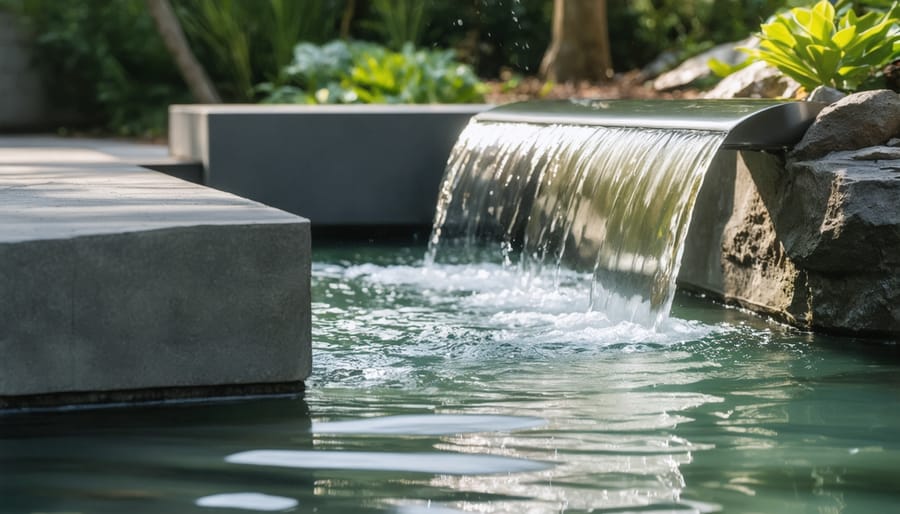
column 611, row 202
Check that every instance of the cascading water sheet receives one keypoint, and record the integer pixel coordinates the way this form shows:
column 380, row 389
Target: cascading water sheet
column 614, row 203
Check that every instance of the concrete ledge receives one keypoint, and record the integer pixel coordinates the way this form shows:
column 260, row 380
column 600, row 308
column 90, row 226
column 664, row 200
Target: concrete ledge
column 204, row 394
column 353, row 165
column 117, row 278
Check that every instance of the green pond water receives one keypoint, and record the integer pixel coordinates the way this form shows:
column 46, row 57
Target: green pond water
column 473, row 388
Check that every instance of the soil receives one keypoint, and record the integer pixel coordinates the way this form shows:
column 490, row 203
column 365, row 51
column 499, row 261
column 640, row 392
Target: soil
column 625, row 85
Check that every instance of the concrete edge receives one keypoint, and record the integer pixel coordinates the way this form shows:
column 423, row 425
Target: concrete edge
column 156, row 395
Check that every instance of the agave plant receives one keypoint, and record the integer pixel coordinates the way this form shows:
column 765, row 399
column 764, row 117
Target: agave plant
column 816, row 46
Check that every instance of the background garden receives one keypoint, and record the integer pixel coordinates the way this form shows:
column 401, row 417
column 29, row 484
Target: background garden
column 109, row 61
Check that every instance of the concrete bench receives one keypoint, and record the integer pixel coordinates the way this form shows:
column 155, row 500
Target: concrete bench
column 118, row 283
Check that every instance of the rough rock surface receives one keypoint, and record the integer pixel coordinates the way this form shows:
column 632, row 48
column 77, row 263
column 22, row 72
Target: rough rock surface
column 814, row 243
column 859, row 120
column 825, row 95
column 757, row 80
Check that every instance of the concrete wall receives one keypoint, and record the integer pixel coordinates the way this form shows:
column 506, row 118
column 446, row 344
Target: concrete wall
column 349, row 165
column 22, row 103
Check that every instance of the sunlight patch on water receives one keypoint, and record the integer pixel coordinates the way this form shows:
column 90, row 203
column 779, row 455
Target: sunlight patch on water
column 247, row 501
column 440, row 463
column 429, row 424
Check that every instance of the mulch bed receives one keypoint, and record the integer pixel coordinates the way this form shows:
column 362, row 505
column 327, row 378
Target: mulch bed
column 625, row 85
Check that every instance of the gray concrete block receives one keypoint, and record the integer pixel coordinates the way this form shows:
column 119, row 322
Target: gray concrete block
column 117, row 278
column 336, row 165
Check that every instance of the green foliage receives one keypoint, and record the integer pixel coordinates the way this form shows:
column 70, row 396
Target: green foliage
column 817, row 46
column 357, row 72
column 399, row 21
column 642, row 29
column 243, row 42
column 103, row 61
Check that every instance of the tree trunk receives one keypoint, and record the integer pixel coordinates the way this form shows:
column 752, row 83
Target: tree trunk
column 580, row 46
column 347, row 18
column 177, row 45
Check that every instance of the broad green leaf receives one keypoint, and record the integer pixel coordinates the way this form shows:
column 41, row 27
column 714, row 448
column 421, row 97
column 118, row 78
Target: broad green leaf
column 869, row 39
column 853, row 75
column 825, row 61
column 843, row 37
column 848, row 19
column 867, row 21
column 776, row 31
column 802, row 16
column 719, row 68
column 794, row 69
column 878, row 57
column 821, row 24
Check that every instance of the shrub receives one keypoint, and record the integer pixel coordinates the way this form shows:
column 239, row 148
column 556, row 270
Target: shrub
column 357, row 72
column 104, row 61
column 243, row 42
column 818, row 46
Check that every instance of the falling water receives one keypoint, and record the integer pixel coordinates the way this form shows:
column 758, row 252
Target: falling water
column 611, row 203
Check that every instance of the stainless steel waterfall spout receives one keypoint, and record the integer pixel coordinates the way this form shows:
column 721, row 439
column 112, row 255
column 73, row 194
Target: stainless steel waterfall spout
column 749, row 124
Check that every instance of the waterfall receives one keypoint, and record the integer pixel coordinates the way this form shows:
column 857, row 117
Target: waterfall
column 613, row 203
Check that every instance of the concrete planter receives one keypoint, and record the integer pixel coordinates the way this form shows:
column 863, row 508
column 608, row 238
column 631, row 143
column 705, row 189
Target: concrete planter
column 342, row 165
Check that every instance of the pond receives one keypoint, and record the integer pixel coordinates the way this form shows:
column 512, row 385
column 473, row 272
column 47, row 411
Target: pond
column 474, row 388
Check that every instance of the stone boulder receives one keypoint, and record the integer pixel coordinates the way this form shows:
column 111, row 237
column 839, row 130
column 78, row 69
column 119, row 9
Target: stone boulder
column 869, row 118
column 815, row 243
column 757, row 80
column 840, row 224
column 825, row 95
column 697, row 67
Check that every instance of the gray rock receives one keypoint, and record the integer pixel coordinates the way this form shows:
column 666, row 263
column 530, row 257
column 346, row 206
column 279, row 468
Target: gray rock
column 757, row 80
column 813, row 243
column 840, row 225
column 859, row 120
column 874, row 153
column 825, row 95
column 697, row 67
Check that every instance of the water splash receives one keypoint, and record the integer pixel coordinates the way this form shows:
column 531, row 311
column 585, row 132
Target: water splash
column 611, row 202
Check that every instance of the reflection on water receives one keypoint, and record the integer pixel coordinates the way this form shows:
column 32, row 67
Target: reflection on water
column 247, row 501
column 419, row 462
column 472, row 394
column 428, row 424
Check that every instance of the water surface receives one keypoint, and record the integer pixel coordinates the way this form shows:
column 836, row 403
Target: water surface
column 474, row 388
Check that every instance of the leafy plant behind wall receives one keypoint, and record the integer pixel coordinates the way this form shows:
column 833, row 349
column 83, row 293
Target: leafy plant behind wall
column 246, row 41
column 103, row 62
column 358, row 72
column 817, row 46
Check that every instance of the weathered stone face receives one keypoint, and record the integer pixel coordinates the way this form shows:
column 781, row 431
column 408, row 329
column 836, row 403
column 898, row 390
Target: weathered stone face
column 869, row 118
column 814, row 240
column 814, row 243
column 841, row 224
